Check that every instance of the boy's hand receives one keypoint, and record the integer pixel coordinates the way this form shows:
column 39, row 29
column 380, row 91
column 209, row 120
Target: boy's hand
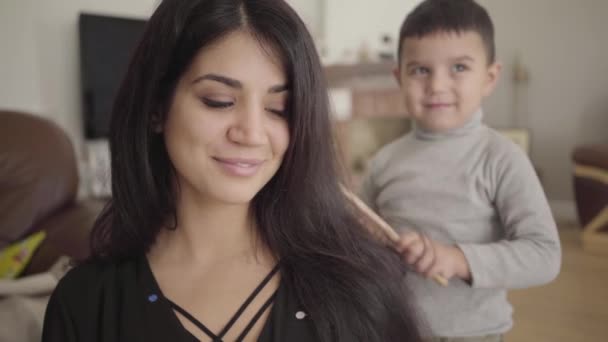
column 431, row 258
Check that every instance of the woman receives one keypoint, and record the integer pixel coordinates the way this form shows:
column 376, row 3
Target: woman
column 226, row 222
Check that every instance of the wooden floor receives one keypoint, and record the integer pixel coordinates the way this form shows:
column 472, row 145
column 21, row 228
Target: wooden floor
column 571, row 309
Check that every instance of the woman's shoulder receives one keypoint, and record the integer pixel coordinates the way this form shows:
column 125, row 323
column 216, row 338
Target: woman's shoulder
column 92, row 271
column 100, row 301
column 93, row 276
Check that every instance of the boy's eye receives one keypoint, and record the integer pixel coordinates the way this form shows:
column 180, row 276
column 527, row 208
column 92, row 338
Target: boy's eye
column 216, row 104
column 419, row 71
column 460, row 68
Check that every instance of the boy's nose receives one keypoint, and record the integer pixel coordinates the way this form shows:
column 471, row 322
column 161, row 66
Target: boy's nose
column 437, row 83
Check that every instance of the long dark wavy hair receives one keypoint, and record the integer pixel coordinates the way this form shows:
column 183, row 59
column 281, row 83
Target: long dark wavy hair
column 350, row 285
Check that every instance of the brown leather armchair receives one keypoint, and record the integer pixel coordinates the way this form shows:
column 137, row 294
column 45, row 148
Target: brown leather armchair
column 38, row 188
column 591, row 193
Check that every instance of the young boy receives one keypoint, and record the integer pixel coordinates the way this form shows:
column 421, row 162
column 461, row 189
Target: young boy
column 466, row 200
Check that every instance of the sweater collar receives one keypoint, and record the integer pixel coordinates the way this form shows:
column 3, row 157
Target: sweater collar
column 474, row 123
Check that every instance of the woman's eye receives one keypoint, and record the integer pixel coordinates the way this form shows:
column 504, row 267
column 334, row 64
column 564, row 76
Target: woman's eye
column 217, row 104
column 278, row 112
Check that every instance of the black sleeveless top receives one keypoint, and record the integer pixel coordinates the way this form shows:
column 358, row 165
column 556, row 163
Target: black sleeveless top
column 122, row 302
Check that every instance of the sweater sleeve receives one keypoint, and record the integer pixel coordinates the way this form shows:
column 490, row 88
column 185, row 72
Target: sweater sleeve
column 529, row 253
column 369, row 191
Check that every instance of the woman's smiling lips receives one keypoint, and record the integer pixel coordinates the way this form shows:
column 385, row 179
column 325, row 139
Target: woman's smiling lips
column 241, row 167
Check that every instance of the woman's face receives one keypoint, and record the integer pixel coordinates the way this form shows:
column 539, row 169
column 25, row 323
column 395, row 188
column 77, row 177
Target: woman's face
column 226, row 131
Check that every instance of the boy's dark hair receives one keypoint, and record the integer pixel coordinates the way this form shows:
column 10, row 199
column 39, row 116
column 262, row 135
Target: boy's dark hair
column 432, row 16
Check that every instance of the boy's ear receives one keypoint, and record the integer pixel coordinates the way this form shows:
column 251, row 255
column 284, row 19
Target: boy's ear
column 397, row 74
column 492, row 78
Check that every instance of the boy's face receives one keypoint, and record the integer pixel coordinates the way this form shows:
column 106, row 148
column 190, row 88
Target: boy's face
column 444, row 76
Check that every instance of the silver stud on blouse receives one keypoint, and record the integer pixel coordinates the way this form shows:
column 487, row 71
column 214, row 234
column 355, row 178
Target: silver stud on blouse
column 300, row 315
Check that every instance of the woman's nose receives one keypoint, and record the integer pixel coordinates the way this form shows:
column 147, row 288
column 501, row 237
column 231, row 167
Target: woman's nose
column 248, row 126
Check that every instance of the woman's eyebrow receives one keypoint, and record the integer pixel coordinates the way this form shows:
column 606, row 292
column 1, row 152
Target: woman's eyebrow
column 221, row 79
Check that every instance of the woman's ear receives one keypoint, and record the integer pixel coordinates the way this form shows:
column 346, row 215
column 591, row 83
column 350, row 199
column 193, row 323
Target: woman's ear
column 157, row 124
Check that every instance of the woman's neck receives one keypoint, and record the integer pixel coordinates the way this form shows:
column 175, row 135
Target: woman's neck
column 206, row 232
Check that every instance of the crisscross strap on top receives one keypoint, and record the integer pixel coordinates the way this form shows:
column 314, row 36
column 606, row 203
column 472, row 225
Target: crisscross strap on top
column 219, row 337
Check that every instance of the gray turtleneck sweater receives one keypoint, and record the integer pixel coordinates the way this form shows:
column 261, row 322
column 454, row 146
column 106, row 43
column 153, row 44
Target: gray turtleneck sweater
column 476, row 189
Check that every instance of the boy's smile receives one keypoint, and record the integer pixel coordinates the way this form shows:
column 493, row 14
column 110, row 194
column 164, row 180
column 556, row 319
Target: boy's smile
column 444, row 76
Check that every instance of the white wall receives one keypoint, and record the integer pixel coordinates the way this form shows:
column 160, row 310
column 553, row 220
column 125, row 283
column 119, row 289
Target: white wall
column 351, row 23
column 40, row 55
column 312, row 12
column 341, row 27
column 19, row 69
column 565, row 47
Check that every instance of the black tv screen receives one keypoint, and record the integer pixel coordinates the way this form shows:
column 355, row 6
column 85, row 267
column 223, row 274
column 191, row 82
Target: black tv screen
column 106, row 44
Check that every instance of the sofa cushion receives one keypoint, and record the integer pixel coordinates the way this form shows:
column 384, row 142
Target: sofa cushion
column 67, row 235
column 38, row 173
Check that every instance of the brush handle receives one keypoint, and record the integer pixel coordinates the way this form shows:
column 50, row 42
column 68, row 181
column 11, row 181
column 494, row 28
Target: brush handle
column 379, row 224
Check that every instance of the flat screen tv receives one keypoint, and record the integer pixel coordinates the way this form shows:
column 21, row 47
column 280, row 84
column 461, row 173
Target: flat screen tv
column 106, row 44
